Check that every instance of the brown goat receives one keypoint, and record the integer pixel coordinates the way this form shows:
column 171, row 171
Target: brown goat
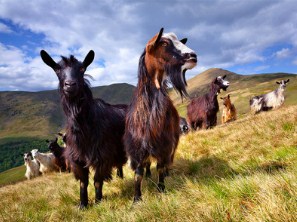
column 152, row 122
column 229, row 110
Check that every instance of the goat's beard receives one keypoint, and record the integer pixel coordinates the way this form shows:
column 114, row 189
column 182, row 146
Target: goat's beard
column 177, row 79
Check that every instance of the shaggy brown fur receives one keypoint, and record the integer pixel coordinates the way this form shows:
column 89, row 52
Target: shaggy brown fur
column 152, row 122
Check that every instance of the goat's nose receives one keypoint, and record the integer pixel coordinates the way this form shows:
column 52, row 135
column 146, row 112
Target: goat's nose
column 193, row 55
column 69, row 83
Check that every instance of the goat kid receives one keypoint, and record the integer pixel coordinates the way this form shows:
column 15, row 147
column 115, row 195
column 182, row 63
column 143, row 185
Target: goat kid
column 59, row 153
column 32, row 166
column 229, row 111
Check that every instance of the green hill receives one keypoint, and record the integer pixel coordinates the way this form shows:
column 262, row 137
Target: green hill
column 243, row 171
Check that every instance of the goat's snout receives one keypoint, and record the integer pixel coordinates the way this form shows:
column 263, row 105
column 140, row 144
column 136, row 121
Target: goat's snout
column 69, row 83
column 191, row 56
column 70, row 87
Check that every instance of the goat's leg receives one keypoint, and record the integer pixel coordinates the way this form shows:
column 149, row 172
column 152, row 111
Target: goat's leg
column 137, row 183
column 82, row 174
column 120, row 172
column 84, row 182
column 161, row 180
column 83, row 194
column 98, row 184
column 148, row 169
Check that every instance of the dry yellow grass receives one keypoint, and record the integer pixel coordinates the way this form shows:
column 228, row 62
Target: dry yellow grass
column 243, row 171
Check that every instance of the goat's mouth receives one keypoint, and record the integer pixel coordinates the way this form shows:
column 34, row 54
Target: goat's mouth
column 70, row 91
column 193, row 59
column 225, row 88
column 190, row 63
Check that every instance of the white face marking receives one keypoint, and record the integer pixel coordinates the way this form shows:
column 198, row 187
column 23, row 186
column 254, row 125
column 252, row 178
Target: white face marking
column 180, row 46
column 224, row 82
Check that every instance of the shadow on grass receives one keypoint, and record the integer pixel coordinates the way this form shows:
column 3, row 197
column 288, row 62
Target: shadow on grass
column 205, row 167
column 206, row 170
column 201, row 170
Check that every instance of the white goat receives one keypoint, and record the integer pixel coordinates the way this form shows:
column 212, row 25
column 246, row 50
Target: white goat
column 32, row 166
column 270, row 100
column 46, row 160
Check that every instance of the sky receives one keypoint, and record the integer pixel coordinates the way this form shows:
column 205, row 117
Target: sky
column 245, row 37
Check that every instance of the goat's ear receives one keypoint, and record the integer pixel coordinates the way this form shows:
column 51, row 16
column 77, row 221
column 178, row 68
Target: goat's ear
column 287, row 81
column 184, row 40
column 47, row 59
column 154, row 41
column 224, row 77
column 277, row 82
column 89, row 58
column 159, row 36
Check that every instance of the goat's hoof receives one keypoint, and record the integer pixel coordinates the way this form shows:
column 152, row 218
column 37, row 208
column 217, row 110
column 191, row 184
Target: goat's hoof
column 161, row 187
column 137, row 199
column 82, row 206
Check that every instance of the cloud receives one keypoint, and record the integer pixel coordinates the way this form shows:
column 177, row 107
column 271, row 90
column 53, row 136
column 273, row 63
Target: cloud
column 4, row 28
column 223, row 33
column 283, row 53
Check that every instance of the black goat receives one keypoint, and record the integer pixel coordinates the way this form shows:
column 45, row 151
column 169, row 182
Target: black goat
column 94, row 128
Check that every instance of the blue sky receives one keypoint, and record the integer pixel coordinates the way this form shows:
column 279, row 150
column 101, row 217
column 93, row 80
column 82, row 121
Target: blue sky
column 246, row 37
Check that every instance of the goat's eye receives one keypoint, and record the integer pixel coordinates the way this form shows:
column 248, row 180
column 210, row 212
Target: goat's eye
column 164, row 44
column 82, row 69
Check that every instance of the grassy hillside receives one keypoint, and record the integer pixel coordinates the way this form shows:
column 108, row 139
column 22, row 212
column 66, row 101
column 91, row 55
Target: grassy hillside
column 242, row 171
column 13, row 175
column 242, row 88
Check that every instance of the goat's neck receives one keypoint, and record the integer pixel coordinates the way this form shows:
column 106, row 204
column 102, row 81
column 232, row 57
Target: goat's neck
column 82, row 103
column 80, row 113
column 280, row 90
column 214, row 91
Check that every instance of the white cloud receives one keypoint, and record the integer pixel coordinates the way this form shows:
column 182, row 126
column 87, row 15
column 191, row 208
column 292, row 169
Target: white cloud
column 223, row 33
column 4, row 28
column 283, row 53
